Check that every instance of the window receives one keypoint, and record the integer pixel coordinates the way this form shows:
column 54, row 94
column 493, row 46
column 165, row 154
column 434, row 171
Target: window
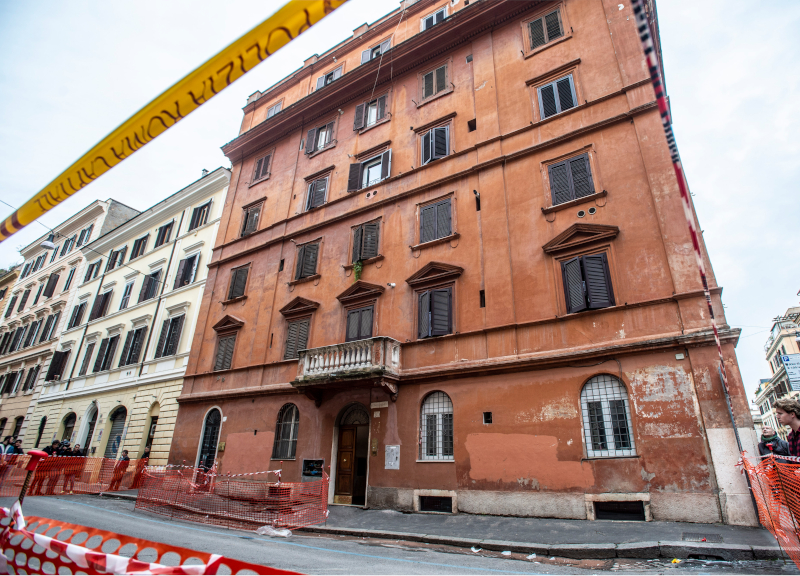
column 472, row 125
column 100, row 307
column 274, row 109
column 150, row 286
column 571, row 179
column 50, row 288
column 326, row 79
column 296, row 337
column 606, row 418
column 238, row 282
column 105, row 355
column 199, row 216
column 16, row 341
column 286, row 433
column 68, row 245
column 433, row 19
column 39, row 262
column 50, row 326
column 208, row 445
column 139, row 246
column 10, row 309
column 556, row 97
column 545, row 29
column 225, row 352
column 55, row 253
column 436, row 427
column 365, row 241
column 262, row 167
column 250, row 219
column 587, row 283
column 319, row 137
column 435, row 312
column 30, row 381
column 163, row 234
column 57, row 365
column 434, row 82
column 24, row 300
column 4, row 342
column 70, row 276
column 92, row 270
column 77, row 315
column 126, row 296
column 170, row 337
column 316, row 193
column 3, row 292
column 38, row 295
column 370, row 113
column 375, row 51
column 359, row 324
column 186, row 271
column 85, row 235
column 369, row 172
column 30, row 339
column 25, row 270
column 306, row 261
column 18, row 425
column 116, row 258
column 86, row 359
column 435, row 144
column 132, row 347
column 435, row 221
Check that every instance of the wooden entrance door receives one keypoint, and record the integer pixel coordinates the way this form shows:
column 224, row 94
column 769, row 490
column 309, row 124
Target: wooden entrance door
column 345, row 465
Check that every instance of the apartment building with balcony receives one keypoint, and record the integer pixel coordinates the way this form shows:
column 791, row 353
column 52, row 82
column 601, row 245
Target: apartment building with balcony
column 129, row 326
column 453, row 271
column 33, row 317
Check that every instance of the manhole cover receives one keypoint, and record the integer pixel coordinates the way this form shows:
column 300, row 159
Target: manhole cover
column 697, row 537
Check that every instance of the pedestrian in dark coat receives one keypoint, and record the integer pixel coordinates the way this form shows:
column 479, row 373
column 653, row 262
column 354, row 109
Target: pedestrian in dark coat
column 771, row 443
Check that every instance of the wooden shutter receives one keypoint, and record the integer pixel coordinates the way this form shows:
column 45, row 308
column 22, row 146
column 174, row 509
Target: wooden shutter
column 547, row 101
column 353, row 325
column 553, row 23
column 382, row 107
column 100, row 353
column 354, row 178
column 258, row 170
column 302, row 334
column 112, row 349
column 310, row 260
column 439, row 16
column 581, row 175
column 559, row 183
column 162, row 339
column 138, row 341
column 121, row 257
column 23, row 300
column 180, row 274
column 72, row 323
column 143, row 245
column 80, row 237
column 238, row 283
column 311, row 141
column 55, row 365
column 318, row 192
column 440, row 142
column 566, row 97
column 320, row 82
column 426, row 147
column 123, row 359
column 106, row 303
column 386, row 164
column 48, row 323
column 175, row 335
column 429, row 21
column 441, row 78
column 299, row 266
column 144, row 290
column 598, row 281
column 86, row 358
column 358, row 235
column 291, row 341
column 328, row 133
column 366, row 56
column 537, row 33
column 427, row 85
column 427, row 224
column 423, row 315
column 440, row 312
column 573, row 285
column 443, row 224
column 365, row 329
column 370, row 243
column 10, row 308
column 358, row 121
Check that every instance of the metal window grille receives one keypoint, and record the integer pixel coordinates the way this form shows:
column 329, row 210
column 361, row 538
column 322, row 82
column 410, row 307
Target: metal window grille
column 606, row 418
column 286, row 432
column 436, row 428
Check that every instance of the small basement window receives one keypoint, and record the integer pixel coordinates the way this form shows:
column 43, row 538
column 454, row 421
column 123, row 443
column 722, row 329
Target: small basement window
column 487, row 417
column 619, row 510
column 436, row 504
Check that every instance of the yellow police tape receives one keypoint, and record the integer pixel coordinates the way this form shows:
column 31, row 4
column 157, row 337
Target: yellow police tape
column 174, row 104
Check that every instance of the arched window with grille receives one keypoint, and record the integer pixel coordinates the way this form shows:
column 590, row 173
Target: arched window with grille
column 208, row 444
column 436, row 427
column 286, row 433
column 606, row 413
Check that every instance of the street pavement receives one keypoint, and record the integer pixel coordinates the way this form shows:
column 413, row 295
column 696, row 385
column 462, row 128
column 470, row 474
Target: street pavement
column 313, row 554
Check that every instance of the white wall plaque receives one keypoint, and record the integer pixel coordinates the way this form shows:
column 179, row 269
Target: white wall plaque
column 393, row 457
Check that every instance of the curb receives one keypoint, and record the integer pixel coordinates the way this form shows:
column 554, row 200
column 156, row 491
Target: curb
column 661, row 549
column 117, row 495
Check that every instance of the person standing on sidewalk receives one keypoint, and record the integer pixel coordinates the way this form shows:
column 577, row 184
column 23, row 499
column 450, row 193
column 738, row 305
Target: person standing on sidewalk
column 41, row 474
column 788, row 412
column 119, row 471
column 772, row 444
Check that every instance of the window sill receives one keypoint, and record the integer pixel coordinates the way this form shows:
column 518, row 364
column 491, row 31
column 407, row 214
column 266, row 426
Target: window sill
column 442, row 240
column 260, row 180
column 233, row 300
column 283, row 459
column 304, row 280
column 541, row 49
column 571, row 203
column 440, row 461
column 383, row 120
column 444, row 92
column 609, row 457
column 377, row 258
column 332, row 144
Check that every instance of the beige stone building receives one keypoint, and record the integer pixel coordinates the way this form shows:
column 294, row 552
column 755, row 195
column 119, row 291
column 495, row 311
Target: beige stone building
column 131, row 326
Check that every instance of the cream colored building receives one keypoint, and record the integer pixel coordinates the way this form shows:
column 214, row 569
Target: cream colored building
column 131, row 326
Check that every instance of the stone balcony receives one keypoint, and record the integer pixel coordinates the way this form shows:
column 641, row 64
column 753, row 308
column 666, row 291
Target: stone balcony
column 373, row 361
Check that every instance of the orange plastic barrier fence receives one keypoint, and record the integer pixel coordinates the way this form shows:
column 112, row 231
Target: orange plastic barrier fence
column 71, row 475
column 776, row 487
column 47, row 546
column 191, row 494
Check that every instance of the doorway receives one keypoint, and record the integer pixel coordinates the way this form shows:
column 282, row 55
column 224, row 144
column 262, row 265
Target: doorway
column 352, row 455
column 114, row 440
column 87, row 451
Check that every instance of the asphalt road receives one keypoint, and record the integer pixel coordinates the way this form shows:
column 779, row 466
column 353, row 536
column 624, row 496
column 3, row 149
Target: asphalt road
column 343, row 555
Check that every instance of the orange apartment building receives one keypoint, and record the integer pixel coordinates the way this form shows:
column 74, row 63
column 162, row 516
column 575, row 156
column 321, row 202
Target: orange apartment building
column 453, row 271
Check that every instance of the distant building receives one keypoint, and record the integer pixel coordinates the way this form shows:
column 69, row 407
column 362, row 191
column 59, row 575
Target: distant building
column 34, row 315
column 7, row 280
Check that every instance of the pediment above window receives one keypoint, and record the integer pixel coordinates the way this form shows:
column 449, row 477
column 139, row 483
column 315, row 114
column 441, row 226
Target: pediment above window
column 434, row 272
column 299, row 306
column 360, row 291
column 578, row 235
column 228, row 323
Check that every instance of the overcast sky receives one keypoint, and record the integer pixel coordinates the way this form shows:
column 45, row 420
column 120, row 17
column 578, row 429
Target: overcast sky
column 70, row 72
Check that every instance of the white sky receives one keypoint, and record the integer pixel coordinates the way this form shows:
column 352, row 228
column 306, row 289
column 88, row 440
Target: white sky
column 70, row 72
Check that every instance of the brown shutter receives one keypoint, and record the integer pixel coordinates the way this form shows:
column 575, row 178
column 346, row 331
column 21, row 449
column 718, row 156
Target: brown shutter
column 547, row 101
column 443, row 219
column 441, row 78
column 106, row 303
column 51, row 285
column 328, row 133
column 370, row 245
column 427, row 224
column 537, row 33
column 112, row 349
column 10, row 309
column 291, row 341
column 559, row 183
column 386, row 164
column 179, row 275
column 439, row 16
column 86, row 358
column 23, row 300
column 299, row 267
column 238, row 283
column 100, row 353
column 264, row 170
column 354, row 178
column 358, row 234
column 310, row 260
column 225, row 353
column 310, row 138
column 48, row 323
column 553, row 23
column 302, row 335
column 358, row 120
column 125, row 349
column 441, row 312
column 426, row 147
column 55, row 365
column 256, row 175
column 423, row 315
column 353, row 323
column 581, row 175
column 440, row 143
column 162, row 339
column 319, row 192
column 382, row 107
column 175, row 336
column 565, row 98
column 427, row 85
column 573, row 285
column 144, row 290
column 598, row 281
column 365, row 330
column 138, row 340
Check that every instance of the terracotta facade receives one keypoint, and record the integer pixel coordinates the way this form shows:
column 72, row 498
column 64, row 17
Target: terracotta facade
column 478, row 224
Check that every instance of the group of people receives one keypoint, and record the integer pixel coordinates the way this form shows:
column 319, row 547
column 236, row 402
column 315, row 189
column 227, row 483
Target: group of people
column 11, row 446
column 787, row 411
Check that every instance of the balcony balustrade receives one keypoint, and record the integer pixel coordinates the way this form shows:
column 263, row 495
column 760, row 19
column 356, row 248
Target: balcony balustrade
column 371, row 357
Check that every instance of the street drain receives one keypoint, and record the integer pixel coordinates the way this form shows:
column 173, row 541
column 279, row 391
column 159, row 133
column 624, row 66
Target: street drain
column 697, row 537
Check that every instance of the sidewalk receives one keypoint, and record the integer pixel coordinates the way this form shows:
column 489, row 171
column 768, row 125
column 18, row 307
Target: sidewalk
column 555, row 537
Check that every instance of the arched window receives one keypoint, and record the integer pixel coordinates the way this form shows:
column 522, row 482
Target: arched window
column 286, row 432
column 69, row 426
column 436, row 428
column 3, row 422
column 42, row 424
column 606, row 418
column 208, row 446
column 18, row 425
